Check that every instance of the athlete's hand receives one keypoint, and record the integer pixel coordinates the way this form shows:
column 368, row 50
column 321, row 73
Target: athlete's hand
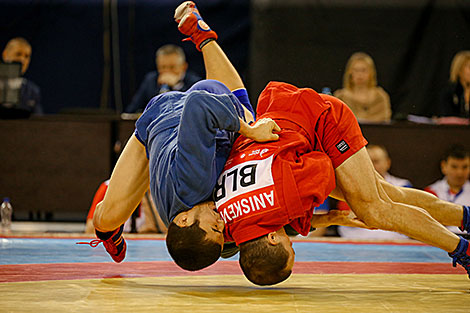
column 264, row 130
column 337, row 217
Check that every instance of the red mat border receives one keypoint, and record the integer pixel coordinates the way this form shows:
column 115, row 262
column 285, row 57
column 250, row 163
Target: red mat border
column 76, row 271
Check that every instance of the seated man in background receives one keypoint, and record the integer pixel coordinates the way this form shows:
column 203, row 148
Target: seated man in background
column 382, row 163
column 19, row 50
column 454, row 187
column 171, row 75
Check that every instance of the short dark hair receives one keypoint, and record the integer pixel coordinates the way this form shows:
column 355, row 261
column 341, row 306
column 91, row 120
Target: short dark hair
column 457, row 152
column 264, row 263
column 189, row 247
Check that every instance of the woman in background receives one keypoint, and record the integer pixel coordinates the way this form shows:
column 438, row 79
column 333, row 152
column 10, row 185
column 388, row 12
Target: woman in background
column 369, row 102
column 455, row 98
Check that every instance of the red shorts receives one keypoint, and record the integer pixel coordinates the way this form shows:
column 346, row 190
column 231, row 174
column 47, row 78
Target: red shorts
column 327, row 120
column 338, row 131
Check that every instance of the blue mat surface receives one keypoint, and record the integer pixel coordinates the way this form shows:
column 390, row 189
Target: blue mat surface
column 45, row 250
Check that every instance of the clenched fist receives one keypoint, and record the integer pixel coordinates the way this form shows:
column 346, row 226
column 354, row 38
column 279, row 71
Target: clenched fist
column 264, row 130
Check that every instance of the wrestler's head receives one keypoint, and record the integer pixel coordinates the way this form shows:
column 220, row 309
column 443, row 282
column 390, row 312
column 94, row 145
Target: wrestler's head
column 195, row 237
column 269, row 259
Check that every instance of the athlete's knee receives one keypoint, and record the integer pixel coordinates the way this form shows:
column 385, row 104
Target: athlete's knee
column 97, row 220
column 102, row 220
column 98, row 216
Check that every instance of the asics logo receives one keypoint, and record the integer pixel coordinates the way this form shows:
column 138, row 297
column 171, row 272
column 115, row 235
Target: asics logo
column 258, row 151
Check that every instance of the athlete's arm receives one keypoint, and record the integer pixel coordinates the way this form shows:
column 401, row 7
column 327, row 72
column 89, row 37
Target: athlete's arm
column 128, row 184
column 219, row 67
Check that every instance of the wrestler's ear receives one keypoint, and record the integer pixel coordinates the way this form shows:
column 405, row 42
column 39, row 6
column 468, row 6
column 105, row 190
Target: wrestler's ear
column 273, row 238
column 181, row 219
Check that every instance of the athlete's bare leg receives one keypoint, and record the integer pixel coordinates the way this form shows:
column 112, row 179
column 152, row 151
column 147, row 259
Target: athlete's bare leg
column 219, row 67
column 446, row 213
column 216, row 62
column 128, row 184
column 368, row 199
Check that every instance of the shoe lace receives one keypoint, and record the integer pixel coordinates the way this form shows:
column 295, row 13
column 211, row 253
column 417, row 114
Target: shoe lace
column 463, row 260
column 94, row 243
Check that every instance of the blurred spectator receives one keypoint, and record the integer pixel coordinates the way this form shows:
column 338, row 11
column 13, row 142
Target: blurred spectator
column 455, row 98
column 19, row 50
column 369, row 102
column 171, row 75
column 145, row 218
column 382, row 162
column 454, row 187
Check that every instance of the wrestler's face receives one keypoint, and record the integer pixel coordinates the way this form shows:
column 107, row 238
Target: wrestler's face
column 210, row 221
column 172, row 65
column 457, row 171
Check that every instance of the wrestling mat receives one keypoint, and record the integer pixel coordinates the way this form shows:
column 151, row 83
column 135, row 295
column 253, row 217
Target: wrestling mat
column 53, row 274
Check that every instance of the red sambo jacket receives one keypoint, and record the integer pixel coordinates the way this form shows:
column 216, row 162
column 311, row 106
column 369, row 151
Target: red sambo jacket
column 265, row 186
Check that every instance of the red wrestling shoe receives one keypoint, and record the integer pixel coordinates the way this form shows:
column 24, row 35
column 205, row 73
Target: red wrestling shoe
column 113, row 242
column 190, row 23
